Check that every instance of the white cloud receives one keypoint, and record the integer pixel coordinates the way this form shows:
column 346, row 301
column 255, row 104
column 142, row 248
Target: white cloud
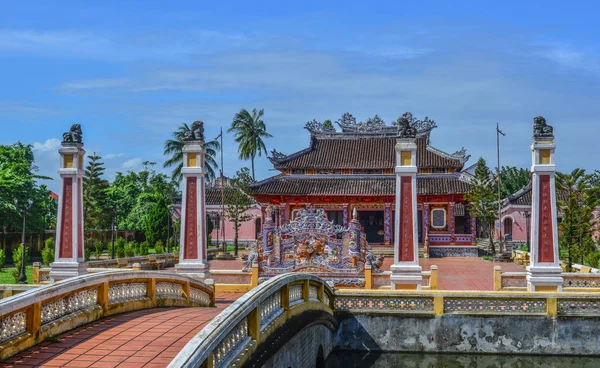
column 132, row 164
column 51, row 144
column 96, row 83
column 113, row 155
column 572, row 58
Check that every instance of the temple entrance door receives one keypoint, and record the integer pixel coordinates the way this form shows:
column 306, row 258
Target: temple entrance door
column 420, row 225
column 372, row 224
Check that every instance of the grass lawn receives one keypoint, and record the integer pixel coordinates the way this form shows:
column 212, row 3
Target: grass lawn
column 6, row 276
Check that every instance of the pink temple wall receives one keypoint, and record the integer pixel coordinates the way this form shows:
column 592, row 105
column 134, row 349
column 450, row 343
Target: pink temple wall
column 247, row 230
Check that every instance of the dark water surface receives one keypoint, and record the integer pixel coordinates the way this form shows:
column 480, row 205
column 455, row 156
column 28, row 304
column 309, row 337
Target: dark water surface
column 347, row 359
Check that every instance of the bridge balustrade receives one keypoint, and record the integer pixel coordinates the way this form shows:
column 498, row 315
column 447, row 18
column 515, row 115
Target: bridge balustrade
column 232, row 337
column 35, row 315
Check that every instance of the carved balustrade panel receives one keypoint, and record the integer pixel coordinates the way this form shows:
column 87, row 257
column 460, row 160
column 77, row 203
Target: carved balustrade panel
column 69, row 304
column 13, row 326
column 392, row 304
column 326, row 299
column 591, row 281
column 313, row 292
column 579, row 307
column 296, row 296
column 495, row 306
column 514, row 281
column 270, row 309
column 169, row 290
column 123, row 292
column 232, row 344
column 199, row 296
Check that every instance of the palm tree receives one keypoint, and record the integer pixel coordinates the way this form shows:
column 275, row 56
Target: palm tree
column 249, row 133
column 174, row 147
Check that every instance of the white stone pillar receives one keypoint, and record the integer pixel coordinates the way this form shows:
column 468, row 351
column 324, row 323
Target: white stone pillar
column 69, row 258
column 192, row 243
column 406, row 271
column 544, row 272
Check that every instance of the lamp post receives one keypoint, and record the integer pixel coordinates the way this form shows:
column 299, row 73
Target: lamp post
column 169, row 219
column 26, row 206
column 527, row 216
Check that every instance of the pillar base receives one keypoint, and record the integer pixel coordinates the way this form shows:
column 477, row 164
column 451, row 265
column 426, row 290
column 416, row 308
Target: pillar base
column 200, row 271
column 65, row 270
column 406, row 276
column 544, row 278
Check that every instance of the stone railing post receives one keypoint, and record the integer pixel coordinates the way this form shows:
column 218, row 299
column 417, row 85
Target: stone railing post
column 368, row 277
column 254, row 324
column 306, row 290
column 103, row 296
column 438, row 305
column 552, row 306
column 36, row 272
column 254, row 278
column 433, row 279
column 497, row 278
column 186, row 290
column 152, row 290
column 34, row 318
column 285, row 297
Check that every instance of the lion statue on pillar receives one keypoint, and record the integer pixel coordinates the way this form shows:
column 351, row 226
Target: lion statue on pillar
column 74, row 135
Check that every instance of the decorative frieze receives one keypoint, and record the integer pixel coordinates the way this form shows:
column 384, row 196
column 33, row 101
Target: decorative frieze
column 232, row 344
column 169, row 290
column 13, row 325
column 270, row 309
column 69, row 304
column 118, row 293
column 395, row 304
column 496, row 306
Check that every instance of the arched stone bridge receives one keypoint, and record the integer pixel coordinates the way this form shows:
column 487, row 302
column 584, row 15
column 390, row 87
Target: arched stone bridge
column 290, row 320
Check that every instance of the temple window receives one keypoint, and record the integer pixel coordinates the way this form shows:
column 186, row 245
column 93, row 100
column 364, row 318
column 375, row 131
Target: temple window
column 438, row 218
column 328, row 171
column 298, row 171
column 438, row 171
column 368, row 171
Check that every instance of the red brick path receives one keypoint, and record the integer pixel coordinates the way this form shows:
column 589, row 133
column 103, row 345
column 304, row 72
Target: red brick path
column 145, row 338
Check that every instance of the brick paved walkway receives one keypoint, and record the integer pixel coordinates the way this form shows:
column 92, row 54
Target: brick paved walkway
column 145, row 338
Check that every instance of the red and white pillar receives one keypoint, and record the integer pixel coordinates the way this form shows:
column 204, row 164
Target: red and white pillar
column 406, row 272
column 544, row 273
column 69, row 258
column 193, row 242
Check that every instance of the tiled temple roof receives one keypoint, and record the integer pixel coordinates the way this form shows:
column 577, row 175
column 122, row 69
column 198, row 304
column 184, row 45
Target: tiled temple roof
column 368, row 185
column 362, row 153
column 524, row 197
column 213, row 194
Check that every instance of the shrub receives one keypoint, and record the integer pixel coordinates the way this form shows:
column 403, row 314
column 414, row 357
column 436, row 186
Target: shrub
column 99, row 249
column 524, row 248
column 17, row 260
column 159, row 247
column 120, row 247
column 87, row 252
column 593, row 259
column 130, row 249
column 143, row 248
column 2, row 258
column 48, row 251
column 486, row 258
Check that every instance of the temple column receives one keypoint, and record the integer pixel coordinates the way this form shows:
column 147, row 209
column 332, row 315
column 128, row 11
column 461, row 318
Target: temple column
column 452, row 222
column 406, row 272
column 387, row 224
column 69, row 258
column 282, row 214
column 345, row 214
column 474, row 230
column 426, row 230
column 193, row 251
column 544, row 272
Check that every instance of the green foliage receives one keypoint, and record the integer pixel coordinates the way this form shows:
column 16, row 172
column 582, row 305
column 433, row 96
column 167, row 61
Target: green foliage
column 17, row 257
column 249, row 131
column 486, row 258
column 130, row 249
column 96, row 210
column 512, row 180
column 580, row 199
column 524, row 248
column 48, row 251
column 120, row 245
column 238, row 202
column 328, row 125
column 159, row 247
column 98, row 249
column 143, row 248
column 173, row 149
column 87, row 253
column 483, row 200
column 19, row 181
column 592, row 259
column 2, row 258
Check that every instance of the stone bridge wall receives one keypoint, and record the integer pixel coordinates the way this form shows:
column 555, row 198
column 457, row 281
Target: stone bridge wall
column 302, row 350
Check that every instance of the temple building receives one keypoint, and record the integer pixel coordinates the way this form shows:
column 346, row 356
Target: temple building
column 354, row 168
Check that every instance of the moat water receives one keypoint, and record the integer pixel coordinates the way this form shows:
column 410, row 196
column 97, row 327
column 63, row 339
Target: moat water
column 345, row 359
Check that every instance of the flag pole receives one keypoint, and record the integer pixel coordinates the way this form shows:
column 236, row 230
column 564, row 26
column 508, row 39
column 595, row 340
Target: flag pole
column 498, row 132
column 224, row 245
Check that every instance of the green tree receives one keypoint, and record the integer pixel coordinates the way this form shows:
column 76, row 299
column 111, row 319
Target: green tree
column 328, row 125
column 250, row 130
column 482, row 199
column 580, row 199
column 512, row 180
column 95, row 204
column 174, row 150
column 238, row 202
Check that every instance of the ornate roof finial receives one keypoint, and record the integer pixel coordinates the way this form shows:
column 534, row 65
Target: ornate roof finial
column 196, row 133
column 74, row 135
column 405, row 128
column 541, row 129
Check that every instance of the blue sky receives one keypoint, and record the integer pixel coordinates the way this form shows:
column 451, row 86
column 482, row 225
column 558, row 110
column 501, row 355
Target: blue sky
column 130, row 72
